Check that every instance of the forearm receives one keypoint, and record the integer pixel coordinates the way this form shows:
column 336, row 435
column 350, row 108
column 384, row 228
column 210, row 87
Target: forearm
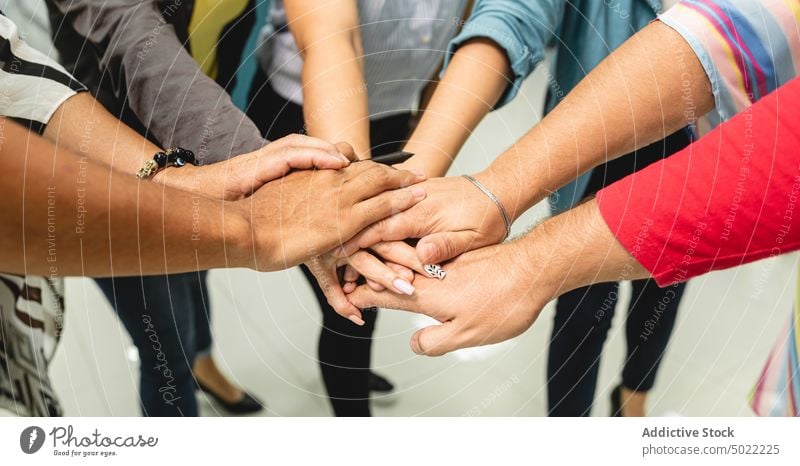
column 69, row 216
column 633, row 98
column 574, row 249
column 83, row 126
column 470, row 88
column 335, row 105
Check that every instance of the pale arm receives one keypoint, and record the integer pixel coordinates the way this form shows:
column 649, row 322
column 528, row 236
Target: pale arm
column 334, row 91
column 471, row 86
column 634, row 97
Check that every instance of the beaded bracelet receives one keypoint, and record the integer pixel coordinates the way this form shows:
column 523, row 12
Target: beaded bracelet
column 172, row 157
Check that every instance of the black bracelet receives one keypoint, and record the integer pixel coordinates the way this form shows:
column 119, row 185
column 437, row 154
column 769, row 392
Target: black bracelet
column 172, row 157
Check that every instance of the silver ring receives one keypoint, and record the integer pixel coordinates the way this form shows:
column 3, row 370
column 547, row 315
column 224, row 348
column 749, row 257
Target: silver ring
column 435, row 271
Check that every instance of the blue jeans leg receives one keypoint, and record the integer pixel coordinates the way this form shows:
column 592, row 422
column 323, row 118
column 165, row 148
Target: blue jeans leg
column 161, row 313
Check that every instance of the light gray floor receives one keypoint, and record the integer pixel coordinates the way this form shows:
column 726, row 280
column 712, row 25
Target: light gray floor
column 266, row 328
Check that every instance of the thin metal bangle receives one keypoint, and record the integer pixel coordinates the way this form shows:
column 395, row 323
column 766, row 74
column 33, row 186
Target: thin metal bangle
column 494, row 199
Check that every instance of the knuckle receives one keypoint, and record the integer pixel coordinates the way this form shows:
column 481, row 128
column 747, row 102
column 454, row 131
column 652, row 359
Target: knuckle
column 403, row 198
column 380, row 175
column 382, row 205
column 294, row 139
column 356, row 261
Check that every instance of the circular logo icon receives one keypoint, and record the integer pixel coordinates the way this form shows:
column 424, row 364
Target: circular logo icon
column 31, row 439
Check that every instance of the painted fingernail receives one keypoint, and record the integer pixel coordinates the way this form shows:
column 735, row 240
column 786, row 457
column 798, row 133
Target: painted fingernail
column 356, row 320
column 418, row 193
column 403, row 286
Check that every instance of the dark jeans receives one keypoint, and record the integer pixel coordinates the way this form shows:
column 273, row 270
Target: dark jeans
column 167, row 319
column 344, row 348
column 583, row 316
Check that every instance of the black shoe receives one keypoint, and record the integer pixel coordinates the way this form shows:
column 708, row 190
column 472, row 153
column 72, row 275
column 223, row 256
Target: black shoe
column 379, row 384
column 382, row 391
column 247, row 405
column 616, row 401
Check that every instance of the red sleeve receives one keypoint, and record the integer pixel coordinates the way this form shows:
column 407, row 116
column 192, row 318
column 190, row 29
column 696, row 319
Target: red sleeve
column 728, row 199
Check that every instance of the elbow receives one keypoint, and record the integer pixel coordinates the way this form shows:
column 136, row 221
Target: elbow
column 346, row 42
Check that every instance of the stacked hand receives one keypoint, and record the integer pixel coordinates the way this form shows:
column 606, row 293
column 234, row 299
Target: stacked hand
column 301, row 216
column 454, row 217
column 240, row 176
column 477, row 303
column 496, row 292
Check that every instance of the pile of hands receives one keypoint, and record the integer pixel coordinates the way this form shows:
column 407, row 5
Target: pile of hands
column 367, row 230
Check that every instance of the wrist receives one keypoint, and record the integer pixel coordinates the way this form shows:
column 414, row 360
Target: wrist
column 240, row 245
column 431, row 160
column 577, row 249
column 186, row 178
column 506, row 189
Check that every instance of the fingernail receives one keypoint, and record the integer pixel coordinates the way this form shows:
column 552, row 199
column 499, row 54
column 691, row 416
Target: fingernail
column 356, row 320
column 403, row 286
column 418, row 193
column 415, row 347
column 338, row 253
column 418, row 172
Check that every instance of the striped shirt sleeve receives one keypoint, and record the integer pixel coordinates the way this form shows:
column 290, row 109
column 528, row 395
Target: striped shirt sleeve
column 748, row 48
column 32, row 86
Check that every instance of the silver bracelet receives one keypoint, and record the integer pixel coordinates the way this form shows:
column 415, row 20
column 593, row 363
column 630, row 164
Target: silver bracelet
column 494, row 199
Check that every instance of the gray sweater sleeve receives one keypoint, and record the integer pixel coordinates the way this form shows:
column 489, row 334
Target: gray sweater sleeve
column 146, row 63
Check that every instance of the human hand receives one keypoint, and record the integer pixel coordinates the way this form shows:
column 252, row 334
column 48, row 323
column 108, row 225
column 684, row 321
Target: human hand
column 307, row 213
column 455, row 217
column 489, row 295
column 497, row 292
column 385, row 266
column 242, row 175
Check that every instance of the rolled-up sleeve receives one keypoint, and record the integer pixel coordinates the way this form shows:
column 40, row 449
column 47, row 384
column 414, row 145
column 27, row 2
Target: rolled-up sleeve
column 521, row 28
column 748, row 48
column 32, row 86
column 163, row 85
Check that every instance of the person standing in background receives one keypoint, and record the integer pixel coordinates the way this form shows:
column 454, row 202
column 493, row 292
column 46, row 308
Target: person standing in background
column 354, row 70
column 130, row 55
column 144, row 63
column 500, row 45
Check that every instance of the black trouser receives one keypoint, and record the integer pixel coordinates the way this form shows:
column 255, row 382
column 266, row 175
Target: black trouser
column 583, row 316
column 344, row 348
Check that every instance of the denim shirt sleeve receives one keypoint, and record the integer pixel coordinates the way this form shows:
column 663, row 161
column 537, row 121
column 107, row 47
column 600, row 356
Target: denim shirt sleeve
column 747, row 48
column 522, row 28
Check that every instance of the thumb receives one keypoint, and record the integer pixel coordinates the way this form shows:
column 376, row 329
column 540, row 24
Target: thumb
column 436, row 340
column 441, row 247
column 347, row 150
